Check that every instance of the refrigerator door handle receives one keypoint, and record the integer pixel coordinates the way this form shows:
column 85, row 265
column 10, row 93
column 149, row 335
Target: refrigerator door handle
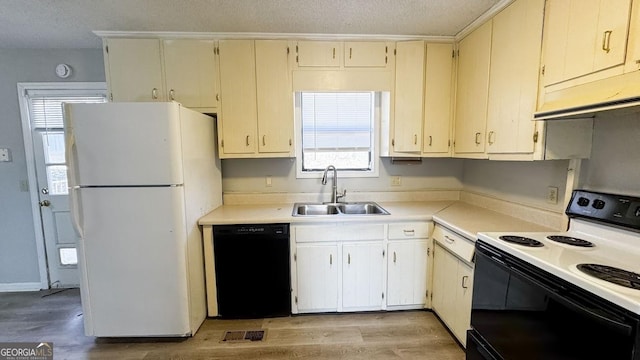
column 70, row 143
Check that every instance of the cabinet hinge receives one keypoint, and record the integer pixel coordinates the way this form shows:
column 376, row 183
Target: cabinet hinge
column 106, row 48
column 543, row 68
column 297, row 58
column 110, row 96
column 395, row 52
column 449, row 143
column 393, row 142
column 428, row 251
column 385, row 60
column 427, row 294
column 535, row 137
column 386, row 49
column 287, row 50
column 296, row 299
column 382, row 295
column 453, row 53
column 296, row 49
column 295, row 257
column 382, row 253
column 222, row 143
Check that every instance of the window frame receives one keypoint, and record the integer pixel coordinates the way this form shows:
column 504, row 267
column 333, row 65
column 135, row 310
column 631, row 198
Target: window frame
column 375, row 159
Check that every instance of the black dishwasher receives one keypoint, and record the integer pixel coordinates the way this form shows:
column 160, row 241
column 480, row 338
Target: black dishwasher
column 252, row 270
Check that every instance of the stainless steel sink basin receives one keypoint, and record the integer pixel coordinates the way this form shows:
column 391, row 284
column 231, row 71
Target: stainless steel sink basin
column 357, row 208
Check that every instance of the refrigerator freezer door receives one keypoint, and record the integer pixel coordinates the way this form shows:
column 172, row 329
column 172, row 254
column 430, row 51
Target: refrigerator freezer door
column 133, row 260
column 124, row 144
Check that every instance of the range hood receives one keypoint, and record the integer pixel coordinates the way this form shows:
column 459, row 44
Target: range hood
column 586, row 100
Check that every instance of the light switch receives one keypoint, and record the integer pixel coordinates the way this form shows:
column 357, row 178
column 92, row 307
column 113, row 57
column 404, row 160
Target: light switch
column 5, row 155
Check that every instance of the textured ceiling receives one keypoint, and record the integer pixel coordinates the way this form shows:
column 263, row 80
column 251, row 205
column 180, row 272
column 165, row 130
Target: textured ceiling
column 69, row 23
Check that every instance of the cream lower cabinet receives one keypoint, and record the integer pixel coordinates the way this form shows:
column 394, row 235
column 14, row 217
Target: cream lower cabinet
column 452, row 281
column 350, row 267
column 317, row 274
column 362, row 276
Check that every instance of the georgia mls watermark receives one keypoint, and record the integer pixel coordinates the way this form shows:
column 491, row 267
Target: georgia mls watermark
column 26, row 351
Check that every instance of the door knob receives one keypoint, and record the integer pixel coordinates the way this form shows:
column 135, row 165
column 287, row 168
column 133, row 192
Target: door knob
column 45, row 190
column 45, row 203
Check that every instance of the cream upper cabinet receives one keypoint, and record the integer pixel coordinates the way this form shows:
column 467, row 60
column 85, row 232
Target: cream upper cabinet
column 318, row 53
column 366, row 54
column 237, row 120
column 134, row 69
column 274, row 97
column 513, row 78
column 190, row 72
column 472, row 92
column 437, row 100
column 409, row 93
column 582, row 37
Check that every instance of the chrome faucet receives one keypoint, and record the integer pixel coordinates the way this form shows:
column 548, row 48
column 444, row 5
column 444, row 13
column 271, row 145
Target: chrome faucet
column 334, row 194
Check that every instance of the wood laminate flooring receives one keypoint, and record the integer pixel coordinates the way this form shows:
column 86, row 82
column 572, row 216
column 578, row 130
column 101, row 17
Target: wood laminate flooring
column 56, row 316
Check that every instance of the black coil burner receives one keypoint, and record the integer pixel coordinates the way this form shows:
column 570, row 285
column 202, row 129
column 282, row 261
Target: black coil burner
column 611, row 274
column 521, row 240
column 570, row 240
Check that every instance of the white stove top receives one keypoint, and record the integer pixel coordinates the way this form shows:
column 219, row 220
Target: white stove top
column 612, row 246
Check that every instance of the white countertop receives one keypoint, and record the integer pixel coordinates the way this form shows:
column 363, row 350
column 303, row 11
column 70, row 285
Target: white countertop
column 468, row 220
column 463, row 218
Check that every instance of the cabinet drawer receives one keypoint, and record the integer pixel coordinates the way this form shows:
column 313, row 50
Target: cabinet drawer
column 457, row 244
column 410, row 230
column 338, row 232
column 316, row 233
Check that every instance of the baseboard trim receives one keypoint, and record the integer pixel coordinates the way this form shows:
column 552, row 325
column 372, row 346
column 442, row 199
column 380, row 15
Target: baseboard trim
column 12, row 287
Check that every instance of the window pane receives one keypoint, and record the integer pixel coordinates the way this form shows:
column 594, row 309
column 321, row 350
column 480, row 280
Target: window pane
column 53, row 145
column 68, row 256
column 337, row 129
column 57, row 179
column 46, row 111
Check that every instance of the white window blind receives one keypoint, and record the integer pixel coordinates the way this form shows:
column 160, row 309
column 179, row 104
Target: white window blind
column 46, row 111
column 337, row 129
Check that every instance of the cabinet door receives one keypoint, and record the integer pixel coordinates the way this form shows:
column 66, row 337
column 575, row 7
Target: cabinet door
column 237, row 121
column 190, row 72
column 317, row 273
column 584, row 36
column 445, row 272
column 464, row 291
column 472, row 91
column 319, row 53
column 275, row 97
column 362, row 265
column 407, row 272
column 365, row 54
column 513, row 79
column 135, row 69
column 409, row 93
column 437, row 99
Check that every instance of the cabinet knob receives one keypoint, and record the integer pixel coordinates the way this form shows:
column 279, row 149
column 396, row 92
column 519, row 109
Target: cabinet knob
column 464, row 282
column 264, row 142
column 490, row 140
column 478, row 138
column 449, row 240
column 415, row 139
column 349, row 259
column 430, row 140
column 394, row 257
column 247, row 140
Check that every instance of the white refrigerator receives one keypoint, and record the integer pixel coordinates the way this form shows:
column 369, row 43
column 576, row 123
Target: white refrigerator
column 140, row 176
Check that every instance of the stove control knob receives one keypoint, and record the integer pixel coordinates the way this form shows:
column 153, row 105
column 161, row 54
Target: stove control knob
column 598, row 204
column 583, row 201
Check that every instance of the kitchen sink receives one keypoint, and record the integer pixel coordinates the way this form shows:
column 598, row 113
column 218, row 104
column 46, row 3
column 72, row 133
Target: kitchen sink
column 355, row 208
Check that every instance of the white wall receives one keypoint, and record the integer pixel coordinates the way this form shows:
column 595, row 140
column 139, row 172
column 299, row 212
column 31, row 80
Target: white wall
column 248, row 175
column 523, row 182
column 615, row 159
column 18, row 257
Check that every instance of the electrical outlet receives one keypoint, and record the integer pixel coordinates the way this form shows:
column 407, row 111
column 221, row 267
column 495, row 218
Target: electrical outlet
column 5, row 155
column 268, row 181
column 396, row 180
column 552, row 195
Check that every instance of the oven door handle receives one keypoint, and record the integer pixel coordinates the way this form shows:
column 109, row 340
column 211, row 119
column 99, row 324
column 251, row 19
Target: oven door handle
column 615, row 325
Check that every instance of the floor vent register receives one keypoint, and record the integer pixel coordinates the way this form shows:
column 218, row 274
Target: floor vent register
column 241, row 335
